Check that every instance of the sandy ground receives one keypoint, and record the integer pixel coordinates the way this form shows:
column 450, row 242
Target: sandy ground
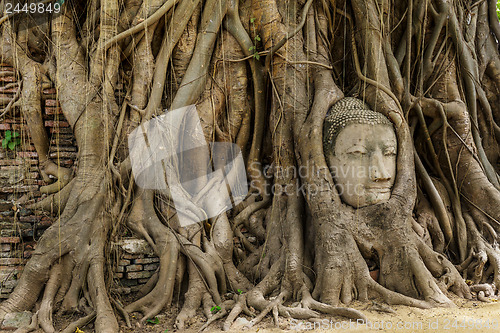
column 468, row 316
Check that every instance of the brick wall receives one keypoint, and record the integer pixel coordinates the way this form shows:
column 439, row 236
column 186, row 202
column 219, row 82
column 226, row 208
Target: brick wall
column 20, row 179
column 135, row 265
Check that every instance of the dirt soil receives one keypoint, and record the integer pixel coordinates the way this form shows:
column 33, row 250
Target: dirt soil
column 469, row 316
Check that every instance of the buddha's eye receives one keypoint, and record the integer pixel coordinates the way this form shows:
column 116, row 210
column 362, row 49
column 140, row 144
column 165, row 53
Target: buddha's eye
column 390, row 151
column 357, row 151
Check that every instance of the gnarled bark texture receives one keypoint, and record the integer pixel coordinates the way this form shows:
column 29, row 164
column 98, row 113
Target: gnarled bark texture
column 263, row 75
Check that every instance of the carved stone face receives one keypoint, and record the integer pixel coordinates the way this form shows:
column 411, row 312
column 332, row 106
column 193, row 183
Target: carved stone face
column 363, row 163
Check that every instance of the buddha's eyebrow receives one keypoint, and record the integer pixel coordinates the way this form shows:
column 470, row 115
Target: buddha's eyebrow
column 356, row 144
column 389, row 145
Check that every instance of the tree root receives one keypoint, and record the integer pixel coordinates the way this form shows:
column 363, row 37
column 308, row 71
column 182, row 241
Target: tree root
column 63, row 176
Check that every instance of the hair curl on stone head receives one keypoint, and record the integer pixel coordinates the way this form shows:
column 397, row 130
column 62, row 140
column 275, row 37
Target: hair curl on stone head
column 347, row 111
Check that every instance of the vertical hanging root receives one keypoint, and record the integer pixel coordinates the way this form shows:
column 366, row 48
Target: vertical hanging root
column 46, row 307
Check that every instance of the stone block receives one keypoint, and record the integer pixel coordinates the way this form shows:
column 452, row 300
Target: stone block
column 15, row 320
column 135, row 246
column 9, row 284
column 128, row 283
column 11, row 240
column 51, row 102
column 10, row 261
column 146, row 260
column 151, row 267
column 133, row 268
column 139, row 275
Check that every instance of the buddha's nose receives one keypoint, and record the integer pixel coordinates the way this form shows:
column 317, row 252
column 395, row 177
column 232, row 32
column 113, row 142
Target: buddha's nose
column 378, row 169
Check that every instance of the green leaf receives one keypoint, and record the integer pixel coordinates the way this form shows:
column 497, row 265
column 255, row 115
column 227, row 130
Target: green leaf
column 257, row 38
column 15, row 134
column 251, row 48
column 252, row 20
column 240, row 291
column 257, row 56
column 12, row 145
column 153, row 321
column 8, row 135
column 5, row 142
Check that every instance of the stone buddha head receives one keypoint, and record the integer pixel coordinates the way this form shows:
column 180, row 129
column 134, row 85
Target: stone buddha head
column 360, row 147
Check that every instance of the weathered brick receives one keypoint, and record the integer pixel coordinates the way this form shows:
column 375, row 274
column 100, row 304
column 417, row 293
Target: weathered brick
column 10, row 90
column 29, row 219
column 5, row 248
column 120, row 269
column 146, row 260
column 139, row 275
column 63, row 154
column 4, row 127
column 8, row 79
column 143, row 281
column 19, row 188
column 11, row 240
column 62, row 147
column 19, row 127
column 8, row 233
column 9, row 284
column 51, row 110
column 130, row 256
column 124, row 262
column 51, row 102
column 133, row 268
column 130, row 282
column 11, row 162
column 64, row 130
column 23, row 154
column 151, row 267
column 10, row 254
column 118, row 275
column 62, row 142
column 10, row 272
column 10, row 261
column 29, row 245
column 50, row 91
column 55, row 123
column 4, row 294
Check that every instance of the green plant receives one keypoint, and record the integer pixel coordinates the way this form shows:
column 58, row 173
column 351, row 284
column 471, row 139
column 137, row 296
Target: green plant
column 498, row 9
column 256, row 39
column 240, row 291
column 11, row 140
column 215, row 309
column 153, row 321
